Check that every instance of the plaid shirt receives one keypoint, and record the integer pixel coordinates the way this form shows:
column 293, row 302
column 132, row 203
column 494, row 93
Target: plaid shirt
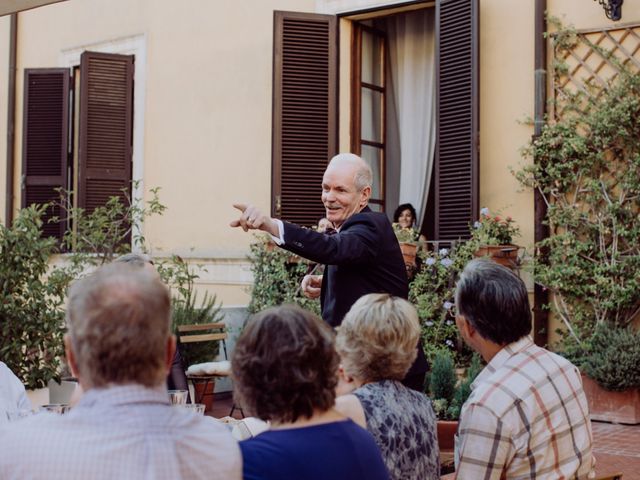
column 119, row 432
column 527, row 417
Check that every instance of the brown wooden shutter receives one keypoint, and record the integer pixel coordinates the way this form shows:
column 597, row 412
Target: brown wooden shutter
column 106, row 120
column 45, row 141
column 456, row 166
column 305, row 86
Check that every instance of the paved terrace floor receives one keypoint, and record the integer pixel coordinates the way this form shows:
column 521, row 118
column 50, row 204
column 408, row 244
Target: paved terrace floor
column 617, row 447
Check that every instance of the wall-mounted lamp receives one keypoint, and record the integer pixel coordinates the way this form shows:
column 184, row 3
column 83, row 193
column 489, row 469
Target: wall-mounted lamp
column 612, row 8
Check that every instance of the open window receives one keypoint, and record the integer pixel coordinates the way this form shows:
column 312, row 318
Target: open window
column 413, row 113
column 77, row 133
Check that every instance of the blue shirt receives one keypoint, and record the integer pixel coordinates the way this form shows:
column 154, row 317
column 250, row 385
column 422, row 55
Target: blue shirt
column 337, row 451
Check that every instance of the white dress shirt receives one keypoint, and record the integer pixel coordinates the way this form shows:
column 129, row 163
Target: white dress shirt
column 12, row 395
column 119, row 432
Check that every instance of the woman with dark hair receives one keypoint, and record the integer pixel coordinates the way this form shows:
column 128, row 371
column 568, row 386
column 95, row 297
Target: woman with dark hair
column 405, row 215
column 285, row 371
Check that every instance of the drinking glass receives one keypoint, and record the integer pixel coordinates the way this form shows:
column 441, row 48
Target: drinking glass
column 195, row 407
column 60, row 408
column 178, row 397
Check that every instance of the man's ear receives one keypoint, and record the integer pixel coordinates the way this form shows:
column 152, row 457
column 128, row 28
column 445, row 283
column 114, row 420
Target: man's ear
column 71, row 356
column 365, row 194
column 171, row 350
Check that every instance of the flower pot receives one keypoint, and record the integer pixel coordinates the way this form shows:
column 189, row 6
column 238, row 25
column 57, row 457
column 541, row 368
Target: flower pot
column 505, row 255
column 409, row 250
column 613, row 407
column 203, row 393
column 446, row 434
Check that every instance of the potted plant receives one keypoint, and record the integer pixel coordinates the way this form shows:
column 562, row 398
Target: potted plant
column 610, row 366
column 588, row 173
column 495, row 237
column 408, row 240
column 448, row 394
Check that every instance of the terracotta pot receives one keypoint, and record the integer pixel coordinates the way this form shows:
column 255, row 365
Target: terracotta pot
column 446, row 432
column 409, row 253
column 203, row 393
column 613, row 407
column 505, row 255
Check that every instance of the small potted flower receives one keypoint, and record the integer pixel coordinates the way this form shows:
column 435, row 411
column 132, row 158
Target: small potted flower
column 408, row 239
column 495, row 237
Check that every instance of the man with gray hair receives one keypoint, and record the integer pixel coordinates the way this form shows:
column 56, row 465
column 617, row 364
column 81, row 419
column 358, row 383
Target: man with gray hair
column 119, row 347
column 527, row 416
column 362, row 257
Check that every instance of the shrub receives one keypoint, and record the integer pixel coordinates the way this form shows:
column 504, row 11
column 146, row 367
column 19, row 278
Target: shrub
column 187, row 310
column 31, row 300
column 277, row 274
column 447, row 393
column 587, row 169
column 611, row 358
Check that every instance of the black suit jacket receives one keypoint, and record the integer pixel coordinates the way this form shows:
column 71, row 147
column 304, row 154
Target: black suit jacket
column 364, row 257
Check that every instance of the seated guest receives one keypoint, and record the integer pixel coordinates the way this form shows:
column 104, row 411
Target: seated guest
column 285, row 371
column 376, row 343
column 177, row 378
column 527, row 416
column 119, row 347
column 13, row 397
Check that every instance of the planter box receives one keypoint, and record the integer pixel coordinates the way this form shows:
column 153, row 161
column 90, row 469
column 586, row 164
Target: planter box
column 614, row 407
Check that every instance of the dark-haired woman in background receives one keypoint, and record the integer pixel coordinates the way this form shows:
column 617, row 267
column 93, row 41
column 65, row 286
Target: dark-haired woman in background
column 285, row 369
column 405, row 216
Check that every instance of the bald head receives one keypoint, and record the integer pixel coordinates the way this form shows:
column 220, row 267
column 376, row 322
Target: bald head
column 356, row 166
column 346, row 187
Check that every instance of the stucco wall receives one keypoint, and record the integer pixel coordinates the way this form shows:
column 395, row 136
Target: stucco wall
column 206, row 131
column 207, row 112
column 4, row 60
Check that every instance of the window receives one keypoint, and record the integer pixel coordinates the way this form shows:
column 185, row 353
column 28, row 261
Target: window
column 77, row 133
column 368, row 136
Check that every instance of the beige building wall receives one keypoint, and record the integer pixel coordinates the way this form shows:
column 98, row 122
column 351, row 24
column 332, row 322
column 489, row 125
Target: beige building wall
column 204, row 113
column 4, row 75
column 206, row 130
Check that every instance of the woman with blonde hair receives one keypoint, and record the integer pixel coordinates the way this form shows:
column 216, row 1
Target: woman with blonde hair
column 377, row 345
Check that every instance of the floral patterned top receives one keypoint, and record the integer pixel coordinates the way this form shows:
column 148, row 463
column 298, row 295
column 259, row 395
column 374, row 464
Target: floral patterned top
column 403, row 424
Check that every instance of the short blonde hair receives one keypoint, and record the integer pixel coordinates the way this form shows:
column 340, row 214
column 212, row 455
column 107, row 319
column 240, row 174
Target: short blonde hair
column 118, row 320
column 378, row 337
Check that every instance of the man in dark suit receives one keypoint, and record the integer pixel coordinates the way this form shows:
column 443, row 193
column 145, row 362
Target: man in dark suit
column 362, row 257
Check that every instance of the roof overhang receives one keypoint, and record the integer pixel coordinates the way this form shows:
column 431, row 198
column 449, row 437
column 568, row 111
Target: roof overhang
column 8, row 7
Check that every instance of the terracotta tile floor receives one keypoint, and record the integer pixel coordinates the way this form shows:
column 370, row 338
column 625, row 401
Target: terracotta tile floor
column 617, row 447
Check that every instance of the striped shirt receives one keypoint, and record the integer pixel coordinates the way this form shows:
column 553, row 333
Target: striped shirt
column 119, row 432
column 527, row 417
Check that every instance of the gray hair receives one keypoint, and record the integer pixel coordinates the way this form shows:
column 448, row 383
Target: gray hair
column 137, row 259
column 118, row 320
column 378, row 337
column 494, row 300
column 364, row 176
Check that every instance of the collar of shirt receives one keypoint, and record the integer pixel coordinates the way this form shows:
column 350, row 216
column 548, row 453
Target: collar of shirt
column 124, row 395
column 501, row 358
